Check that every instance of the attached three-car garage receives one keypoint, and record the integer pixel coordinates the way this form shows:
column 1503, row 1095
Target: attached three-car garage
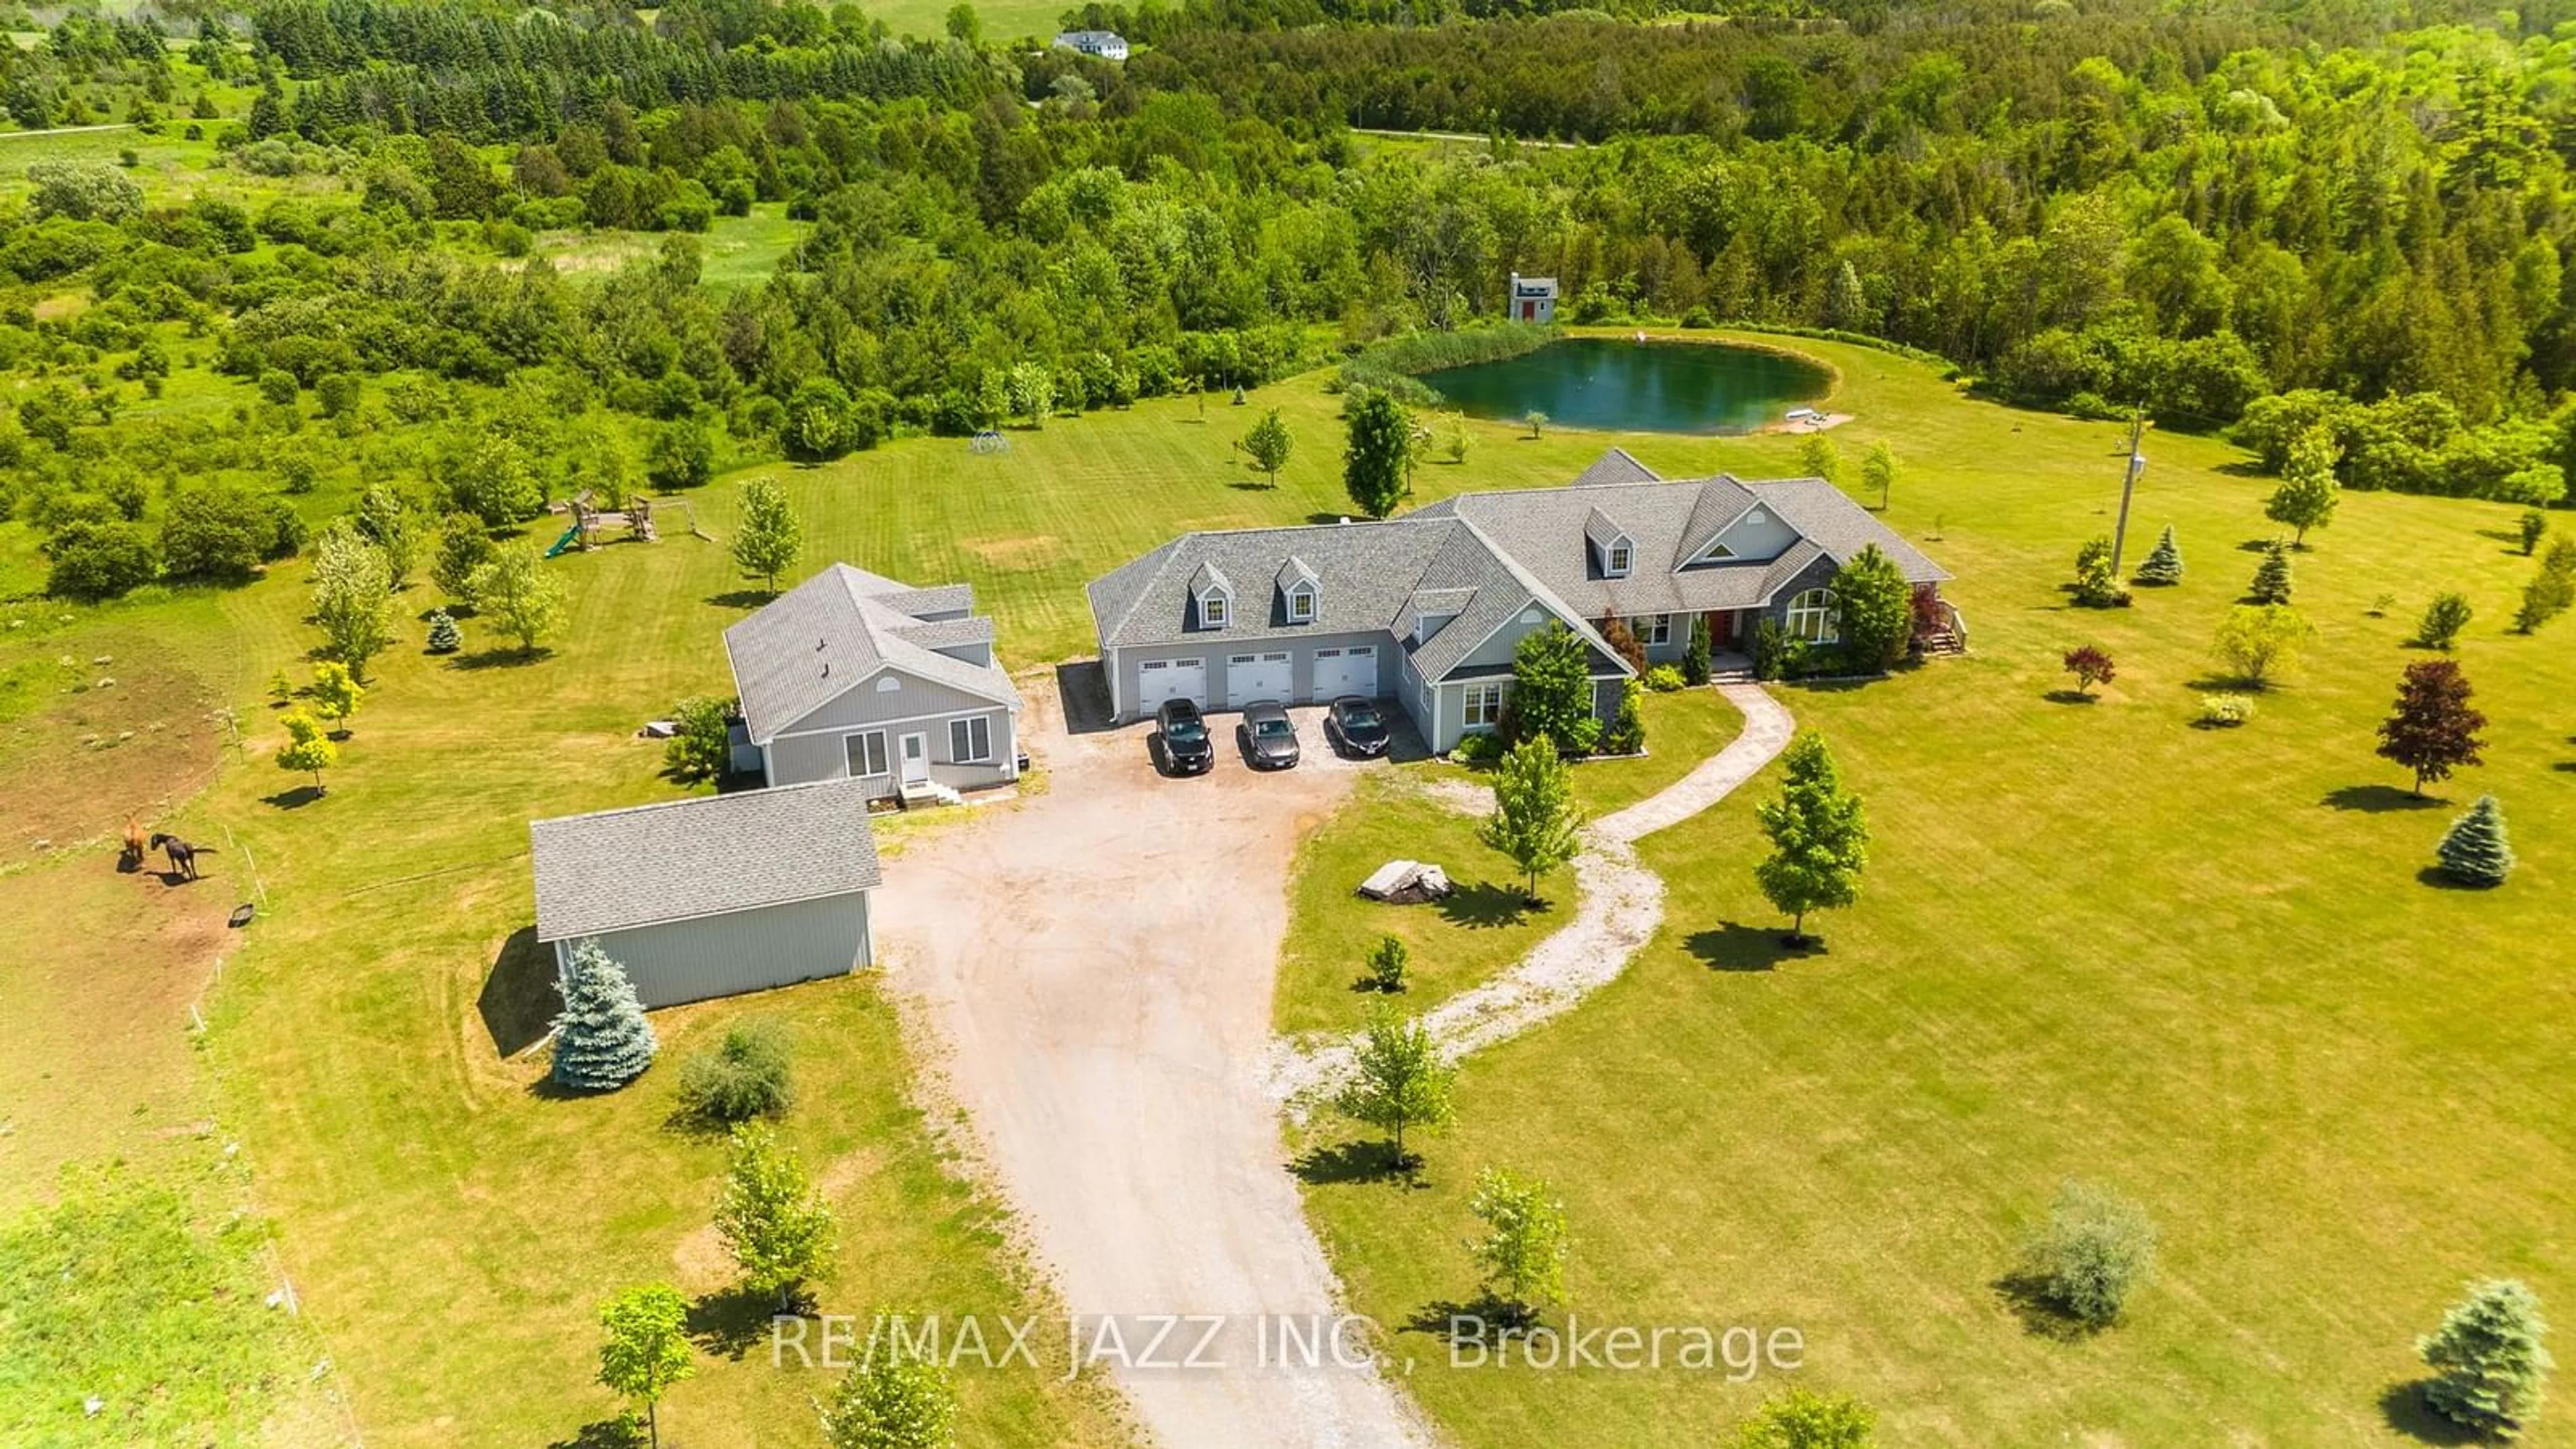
column 1269, row 675
column 1161, row 679
column 1291, row 673
column 1351, row 670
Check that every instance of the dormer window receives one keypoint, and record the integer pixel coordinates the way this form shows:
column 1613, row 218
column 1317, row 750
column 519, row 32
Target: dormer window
column 1214, row 594
column 1301, row 604
column 1716, row 553
column 1212, row 610
column 1616, row 560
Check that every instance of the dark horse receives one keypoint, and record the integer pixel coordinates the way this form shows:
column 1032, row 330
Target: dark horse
column 183, row 856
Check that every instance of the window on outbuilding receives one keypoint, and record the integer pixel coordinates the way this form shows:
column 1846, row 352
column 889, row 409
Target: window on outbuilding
column 1212, row 610
column 970, row 740
column 867, row 754
column 1301, row 604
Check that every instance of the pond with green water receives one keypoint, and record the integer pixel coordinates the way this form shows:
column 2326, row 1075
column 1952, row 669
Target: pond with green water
column 1654, row 387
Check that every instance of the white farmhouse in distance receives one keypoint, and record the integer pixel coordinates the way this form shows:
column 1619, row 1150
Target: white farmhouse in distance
column 1107, row 44
column 1533, row 299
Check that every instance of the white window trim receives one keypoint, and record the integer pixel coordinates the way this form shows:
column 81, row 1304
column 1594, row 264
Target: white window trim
column 882, row 754
column 1821, row 611
column 1652, row 629
column 1618, row 558
column 973, row 725
column 1216, row 610
column 1492, row 694
column 1301, row 594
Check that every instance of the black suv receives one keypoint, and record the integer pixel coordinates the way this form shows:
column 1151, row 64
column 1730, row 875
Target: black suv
column 1187, row 750
column 1354, row 725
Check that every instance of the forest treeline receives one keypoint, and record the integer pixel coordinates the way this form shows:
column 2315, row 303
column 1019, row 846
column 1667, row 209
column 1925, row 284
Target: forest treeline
column 2132, row 206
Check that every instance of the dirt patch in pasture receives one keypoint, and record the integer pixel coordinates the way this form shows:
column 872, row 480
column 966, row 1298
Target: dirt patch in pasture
column 1017, row 553
column 97, row 743
column 95, row 1061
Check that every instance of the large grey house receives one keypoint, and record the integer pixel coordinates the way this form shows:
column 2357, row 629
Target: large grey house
column 714, row 894
column 853, row 676
column 1427, row 608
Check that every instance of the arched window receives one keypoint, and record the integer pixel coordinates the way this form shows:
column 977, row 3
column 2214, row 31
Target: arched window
column 1811, row 616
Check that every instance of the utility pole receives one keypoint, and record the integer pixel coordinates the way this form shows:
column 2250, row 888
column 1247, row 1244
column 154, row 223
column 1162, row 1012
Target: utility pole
column 2128, row 489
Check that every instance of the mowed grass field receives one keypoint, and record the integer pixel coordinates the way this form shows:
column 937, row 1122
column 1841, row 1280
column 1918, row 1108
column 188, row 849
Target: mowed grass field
column 2200, row 967
column 2096, row 942
column 451, row 1231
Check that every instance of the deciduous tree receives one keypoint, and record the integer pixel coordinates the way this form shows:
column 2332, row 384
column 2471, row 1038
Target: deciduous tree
column 2095, row 1249
column 1524, row 1245
column 646, row 1350
column 1535, row 819
column 2258, row 641
column 2307, row 495
column 519, row 596
column 2090, row 666
column 2443, row 620
column 1879, row 470
column 464, row 545
column 768, row 537
column 1819, row 837
column 770, row 1217
column 1819, row 458
column 1802, row 1419
column 892, row 1400
column 1552, row 689
column 308, row 748
column 1399, row 1082
column 335, row 694
column 1269, row 443
column 2434, row 729
column 352, row 597
column 2095, row 587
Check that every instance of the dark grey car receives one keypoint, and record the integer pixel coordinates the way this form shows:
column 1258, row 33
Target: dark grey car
column 1269, row 737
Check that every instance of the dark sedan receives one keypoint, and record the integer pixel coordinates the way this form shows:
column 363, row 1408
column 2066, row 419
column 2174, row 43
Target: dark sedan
column 1187, row 750
column 1269, row 737
column 1355, row 727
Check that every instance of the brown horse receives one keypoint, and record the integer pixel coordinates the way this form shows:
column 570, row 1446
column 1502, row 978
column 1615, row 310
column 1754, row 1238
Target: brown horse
column 132, row 859
column 183, row 856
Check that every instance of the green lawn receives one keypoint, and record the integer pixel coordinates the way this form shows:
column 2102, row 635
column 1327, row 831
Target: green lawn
column 2095, row 942
column 1002, row 19
column 1485, row 927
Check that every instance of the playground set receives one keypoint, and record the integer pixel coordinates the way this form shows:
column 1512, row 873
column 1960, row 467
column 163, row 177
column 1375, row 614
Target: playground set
column 591, row 523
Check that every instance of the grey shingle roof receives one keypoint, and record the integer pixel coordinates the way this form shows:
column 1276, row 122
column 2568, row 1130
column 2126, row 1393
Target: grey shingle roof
column 828, row 634
column 1614, row 466
column 932, row 603
column 1211, row 580
column 1295, row 571
column 1602, row 529
column 950, row 633
column 1487, row 556
column 652, row 864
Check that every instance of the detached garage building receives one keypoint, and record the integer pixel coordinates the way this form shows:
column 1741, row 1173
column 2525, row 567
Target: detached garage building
column 717, row 894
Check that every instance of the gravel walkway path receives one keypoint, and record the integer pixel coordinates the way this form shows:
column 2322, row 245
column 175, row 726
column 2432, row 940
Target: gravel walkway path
column 1622, row 905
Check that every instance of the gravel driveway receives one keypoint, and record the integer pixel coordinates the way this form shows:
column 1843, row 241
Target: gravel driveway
column 1100, row 958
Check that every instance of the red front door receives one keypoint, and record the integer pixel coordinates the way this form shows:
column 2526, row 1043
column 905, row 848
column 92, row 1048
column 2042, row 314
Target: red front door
column 1529, row 310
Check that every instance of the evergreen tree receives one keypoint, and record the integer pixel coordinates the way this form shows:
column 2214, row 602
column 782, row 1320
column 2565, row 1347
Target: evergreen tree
column 1401, row 1082
column 2306, row 497
column 2551, row 591
column 2434, row 729
column 768, row 536
column 2164, row 562
column 1626, row 732
column 2443, row 620
column 2530, row 528
column 2271, row 577
column 1874, row 609
column 1695, row 654
column 602, row 1040
column 1819, row 837
column 444, row 636
column 1534, row 819
column 2475, row 850
column 2489, row 1365
column 1381, row 441
column 1847, row 301
column 1552, row 689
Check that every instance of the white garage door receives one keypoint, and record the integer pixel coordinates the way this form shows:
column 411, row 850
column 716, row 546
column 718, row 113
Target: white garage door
column 1346, row 671
column 1258, row 676
column 1161, row 679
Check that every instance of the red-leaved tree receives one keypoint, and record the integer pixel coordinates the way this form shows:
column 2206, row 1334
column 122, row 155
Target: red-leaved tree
column 2434, row 730
column 2090, row 666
